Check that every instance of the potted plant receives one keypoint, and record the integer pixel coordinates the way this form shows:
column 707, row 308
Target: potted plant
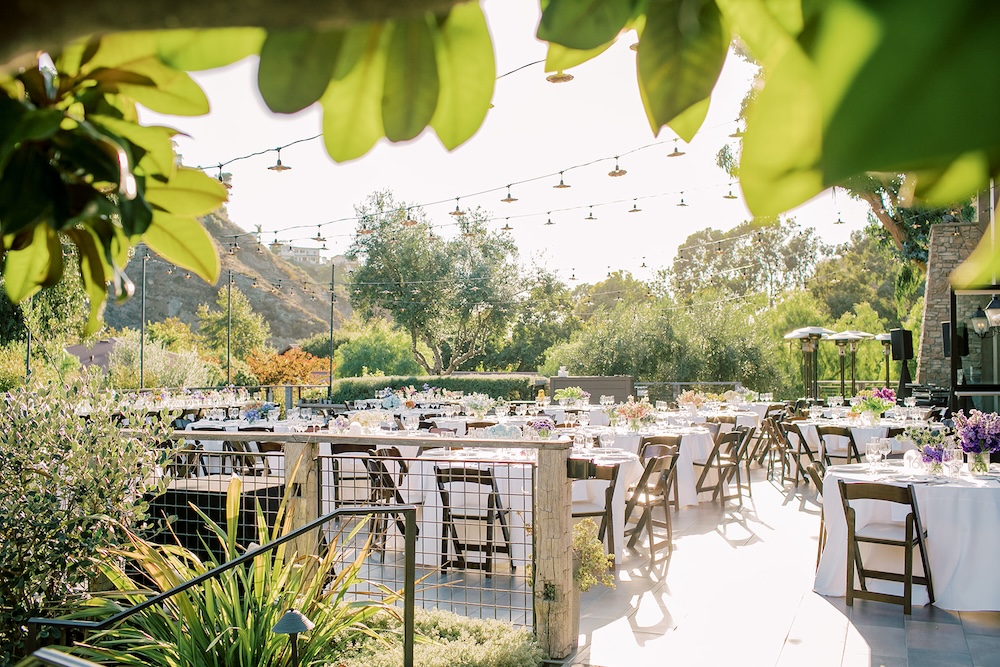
column 592, row 566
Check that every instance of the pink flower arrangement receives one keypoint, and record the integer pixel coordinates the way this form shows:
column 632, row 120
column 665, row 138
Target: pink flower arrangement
column 635, row 410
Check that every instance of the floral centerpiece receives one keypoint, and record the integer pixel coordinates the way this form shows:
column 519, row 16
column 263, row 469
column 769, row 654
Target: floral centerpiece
column 258, row 411
column 876, row 401
column 542, row 426
column 979, row 435
column 477, row 404
column 571, row 394
column 369, row 419
column 932, row 445
column 691, row 399
column 635, row 411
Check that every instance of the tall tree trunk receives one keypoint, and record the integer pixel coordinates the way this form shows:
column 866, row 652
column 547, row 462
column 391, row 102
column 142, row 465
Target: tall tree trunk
column 890, row 223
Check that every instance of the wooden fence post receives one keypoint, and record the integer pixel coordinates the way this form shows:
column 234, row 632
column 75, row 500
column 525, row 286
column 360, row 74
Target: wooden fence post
column 302, row 484
column 554, row 586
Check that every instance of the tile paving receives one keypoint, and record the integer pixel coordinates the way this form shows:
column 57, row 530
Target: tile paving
column 738, row 590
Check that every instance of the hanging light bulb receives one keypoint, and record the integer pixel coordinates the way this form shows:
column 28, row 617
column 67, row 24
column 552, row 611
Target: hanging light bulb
column 738, row 132
column 730, row 195
column 259, row 249
column 365, row 230
column 458, row 211
column 718, row 248
column 506, row 226
column 187, row 275
column 256, row 284
column 508, row 199
column 319, row 237
column 559, row 77
column 635, row 207
column 609, row 270
column 681, row 202
column 561, row 184
column 573, row 275
column 590, row 216
column 676, row 152
column 549, row 223
column 278, row 166
column 617, row 171
column 170, row 270
column 408, row 221
column 643, row 265
column 227, row 186
column 839, row 221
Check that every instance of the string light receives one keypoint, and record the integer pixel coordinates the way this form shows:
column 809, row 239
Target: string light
column 221, row 180
column 507, row 227
column 278, row 166
column 458, row 210
column 590, row 216
column 408, row 221
column 617, row 171
column 676, row 152
column 839, row 221
column 730, row 195
column 738, row 132
column 549, row 223
column 561, row 185
column 635, row 207
column 559, row 77
column 319, row 236
column 508, row 199
column 681, row 202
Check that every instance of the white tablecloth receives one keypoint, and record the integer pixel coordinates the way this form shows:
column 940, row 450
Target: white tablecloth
column 962, row 519
column 696, row 445
column 215, row 463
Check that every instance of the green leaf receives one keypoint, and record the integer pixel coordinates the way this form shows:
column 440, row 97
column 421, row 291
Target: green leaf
column 95, row 280
column 352, row 107
column 193, row 50
column 559, row 57
column 981, row 266
column 940, row 55
column 758, row 28
column 467, row 72
column 583, row 24
column 190, row 192
column 296, row 67
column 27, row 271
column 410, row 89
column 26, row 190
column 185, row 243
column 156, row 140
column 681, row 53
column 176, row 94
column 34, row 125
column 781, row 147
column 352, row 49
column 788, row 13
column 687, row 123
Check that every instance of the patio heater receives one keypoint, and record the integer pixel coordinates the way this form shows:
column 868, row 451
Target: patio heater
column 810, row 337
column 886, row 340
column 850, row 339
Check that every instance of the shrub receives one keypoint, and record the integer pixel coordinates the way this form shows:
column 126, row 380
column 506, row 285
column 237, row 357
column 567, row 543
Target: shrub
column 511, row 387
column 445, row 640
column 377, row 349
column 68, row 492
column 160, row 367
column 293, row 367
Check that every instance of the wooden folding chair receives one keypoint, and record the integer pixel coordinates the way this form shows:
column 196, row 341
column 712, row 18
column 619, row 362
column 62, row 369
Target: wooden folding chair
column 906, row 535
column 828, row 432
column 653, row 490
column 477, row 484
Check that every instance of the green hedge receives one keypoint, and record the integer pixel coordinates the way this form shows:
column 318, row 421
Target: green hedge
column 511, row 387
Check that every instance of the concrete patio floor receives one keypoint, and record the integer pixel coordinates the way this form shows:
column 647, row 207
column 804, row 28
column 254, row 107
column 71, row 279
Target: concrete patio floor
column 738, row 590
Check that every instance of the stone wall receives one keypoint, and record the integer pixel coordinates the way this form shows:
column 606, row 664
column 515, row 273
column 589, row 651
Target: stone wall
column 950, row 244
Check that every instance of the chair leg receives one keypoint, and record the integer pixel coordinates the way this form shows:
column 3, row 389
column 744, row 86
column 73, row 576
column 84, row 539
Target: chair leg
column 852, row 547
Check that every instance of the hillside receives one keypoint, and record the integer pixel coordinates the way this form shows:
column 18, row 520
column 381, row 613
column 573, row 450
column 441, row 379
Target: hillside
column 300, row 308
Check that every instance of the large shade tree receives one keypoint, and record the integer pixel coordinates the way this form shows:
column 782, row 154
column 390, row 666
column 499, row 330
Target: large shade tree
column 75, row 163
column 453, row 295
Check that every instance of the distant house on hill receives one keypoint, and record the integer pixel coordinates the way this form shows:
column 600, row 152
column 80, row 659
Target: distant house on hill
column 297, row 254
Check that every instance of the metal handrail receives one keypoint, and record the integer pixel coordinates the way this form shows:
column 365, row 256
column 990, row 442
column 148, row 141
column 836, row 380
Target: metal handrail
column 409, row 513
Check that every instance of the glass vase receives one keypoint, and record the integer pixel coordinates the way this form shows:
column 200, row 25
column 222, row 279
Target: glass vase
column 634, row 424
column 869, row 418
column 979, row 463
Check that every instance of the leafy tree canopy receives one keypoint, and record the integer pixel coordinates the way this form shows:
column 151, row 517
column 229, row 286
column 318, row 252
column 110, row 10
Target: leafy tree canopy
column 248, row 333
column 452, row 295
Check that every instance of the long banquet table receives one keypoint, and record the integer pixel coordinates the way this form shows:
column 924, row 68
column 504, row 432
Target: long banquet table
column 962, row 519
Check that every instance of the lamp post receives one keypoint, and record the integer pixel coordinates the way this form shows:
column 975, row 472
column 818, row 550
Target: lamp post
column 333, row 298
column 229, row 329
column 27, row 346
column 142, row 324
column 292, row 623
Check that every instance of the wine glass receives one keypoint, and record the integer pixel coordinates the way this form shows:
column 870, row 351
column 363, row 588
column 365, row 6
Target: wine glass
column 872, row 454
column 521, row 409
column 411, row 422
column 607, row 438
column 910, row 402
column 583, row 419
column 884, row 447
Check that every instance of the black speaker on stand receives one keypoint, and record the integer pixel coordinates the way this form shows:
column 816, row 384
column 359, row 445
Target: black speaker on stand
column 902, row 350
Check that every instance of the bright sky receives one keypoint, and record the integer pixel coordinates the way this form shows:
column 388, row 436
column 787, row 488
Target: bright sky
column 535, row 128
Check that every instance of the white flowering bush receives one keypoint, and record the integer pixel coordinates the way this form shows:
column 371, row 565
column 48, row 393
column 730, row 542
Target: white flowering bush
column 70, row 488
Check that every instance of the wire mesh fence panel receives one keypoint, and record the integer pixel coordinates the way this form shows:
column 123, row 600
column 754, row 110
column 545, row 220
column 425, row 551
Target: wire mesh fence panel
column 474, row 518
column 473, row 525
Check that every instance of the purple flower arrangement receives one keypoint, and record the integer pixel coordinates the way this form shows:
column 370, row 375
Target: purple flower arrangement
column 932, row 454
column 979, row 432
column 543, row 426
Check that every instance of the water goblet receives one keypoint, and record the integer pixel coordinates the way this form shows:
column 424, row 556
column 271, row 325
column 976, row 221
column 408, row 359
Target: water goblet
column 583, row 419
column 884, row 447
column 411, row 422
column 607, row 438
column 872, row 455
column 910, row 402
